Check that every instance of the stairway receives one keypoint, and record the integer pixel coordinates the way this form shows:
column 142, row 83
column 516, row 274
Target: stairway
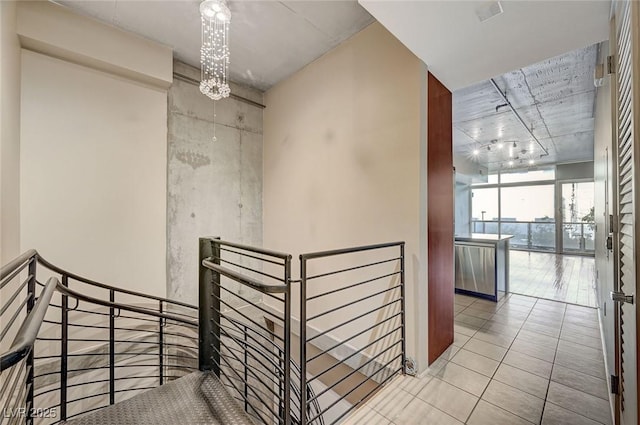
column 197, row 398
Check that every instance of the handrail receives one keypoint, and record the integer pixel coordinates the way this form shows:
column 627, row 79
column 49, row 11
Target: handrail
column 333, row 252
column 245, row 280
column 17, row 262
column 248, row 248
column 69, row 292
column 28, row 332
column 105, row 286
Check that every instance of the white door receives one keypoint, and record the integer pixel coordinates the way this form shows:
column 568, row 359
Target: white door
column 627, row 157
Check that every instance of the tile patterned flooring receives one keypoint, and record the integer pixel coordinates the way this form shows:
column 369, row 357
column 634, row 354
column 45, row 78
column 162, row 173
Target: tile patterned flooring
column 522, row 361
column 567, row 278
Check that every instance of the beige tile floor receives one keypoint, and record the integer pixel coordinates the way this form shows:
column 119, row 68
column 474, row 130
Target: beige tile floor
column 566, row 278
column 522, row 361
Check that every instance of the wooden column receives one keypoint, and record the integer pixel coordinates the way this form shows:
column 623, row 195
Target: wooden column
column 440, row 198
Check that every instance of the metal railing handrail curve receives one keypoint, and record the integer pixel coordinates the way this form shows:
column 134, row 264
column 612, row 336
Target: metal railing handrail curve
column 28, row 332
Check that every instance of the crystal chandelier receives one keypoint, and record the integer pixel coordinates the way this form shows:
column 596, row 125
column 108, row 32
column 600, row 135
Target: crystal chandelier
column 214, row 53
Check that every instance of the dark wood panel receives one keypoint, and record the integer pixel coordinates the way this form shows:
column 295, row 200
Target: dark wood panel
column 439, row 216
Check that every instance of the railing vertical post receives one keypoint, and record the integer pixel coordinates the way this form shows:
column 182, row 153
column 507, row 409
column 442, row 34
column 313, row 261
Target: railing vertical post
column 64, row 351
column 303, row 340
column 529, row 236
column 287, row 342
column 209, row 307
column 112, row 349
column 161, row 344
column 246, row 371
column 403, row 306
column 31, row 294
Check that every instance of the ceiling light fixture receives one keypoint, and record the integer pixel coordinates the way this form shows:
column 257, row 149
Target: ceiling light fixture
column 510, row 163
column 476, row 152
column 500, row 145
column 214, row 52
column 531, row 162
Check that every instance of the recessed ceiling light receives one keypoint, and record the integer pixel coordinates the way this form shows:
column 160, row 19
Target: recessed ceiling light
column 476, row 151
column 531, row 162
column 500, row 145
column 510, row 163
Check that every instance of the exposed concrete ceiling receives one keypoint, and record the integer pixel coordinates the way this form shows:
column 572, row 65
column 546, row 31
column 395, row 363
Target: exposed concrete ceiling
column 270, row 40
column 460, row 50
column 554, row 97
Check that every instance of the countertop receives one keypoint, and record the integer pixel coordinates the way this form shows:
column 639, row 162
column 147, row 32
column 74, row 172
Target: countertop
column 482, row 237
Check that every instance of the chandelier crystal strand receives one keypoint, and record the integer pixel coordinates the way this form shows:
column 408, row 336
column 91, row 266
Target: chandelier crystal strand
column 214, row 53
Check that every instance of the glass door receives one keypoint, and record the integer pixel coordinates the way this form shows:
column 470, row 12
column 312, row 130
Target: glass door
column 578, row 226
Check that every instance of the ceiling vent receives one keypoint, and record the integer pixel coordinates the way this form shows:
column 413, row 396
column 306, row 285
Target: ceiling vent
column 488, row 10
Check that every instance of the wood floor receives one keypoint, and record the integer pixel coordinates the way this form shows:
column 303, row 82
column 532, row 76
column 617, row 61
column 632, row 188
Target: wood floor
column 565, row 278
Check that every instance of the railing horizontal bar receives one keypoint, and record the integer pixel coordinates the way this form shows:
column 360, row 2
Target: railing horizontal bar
column 66, row 291
column 243, row 315
column 257, row 414
column 99, row 381
column 6, row 381
column 354, row 285
column 249, row 372
column 354, row 371
column 17, row 292
column 279, row 279
column 375, row 325
column 312, row 255
column 244, row 254
column 253, row 304
column 250, row 388
column 255, row 250
column 354, row 354
column 337, row 420
column 21, row 392
column 8, row 325
column 245, row 280
column 257, row 350
column 16, row 265
column 257, row 370
column 332, row 310
column 13, row 387
column 360, row 316
column 262, row 337
column 181, row 335
column 356, row 387
column 81, row 279
column 349, row 269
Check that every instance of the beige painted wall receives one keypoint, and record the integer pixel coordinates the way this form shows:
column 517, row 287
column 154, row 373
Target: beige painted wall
column 9, row 134
column 93, row 149
column 342, row 159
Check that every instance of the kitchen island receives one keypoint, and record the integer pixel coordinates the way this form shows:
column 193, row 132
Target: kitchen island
column 482, row 265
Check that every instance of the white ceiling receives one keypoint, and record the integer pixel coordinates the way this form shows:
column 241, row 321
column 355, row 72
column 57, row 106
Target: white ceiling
column 270, row 40
column 460, row 50
column 555, row 98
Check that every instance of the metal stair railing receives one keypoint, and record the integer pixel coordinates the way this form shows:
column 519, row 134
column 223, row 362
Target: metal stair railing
column 72, row 353
column 74, row 346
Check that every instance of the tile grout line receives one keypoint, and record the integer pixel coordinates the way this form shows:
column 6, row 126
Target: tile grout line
column 546, row 396
column 499, row 364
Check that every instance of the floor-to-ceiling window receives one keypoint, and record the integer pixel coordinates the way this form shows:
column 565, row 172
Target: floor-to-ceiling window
column 541, row 213
column 577, row 207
